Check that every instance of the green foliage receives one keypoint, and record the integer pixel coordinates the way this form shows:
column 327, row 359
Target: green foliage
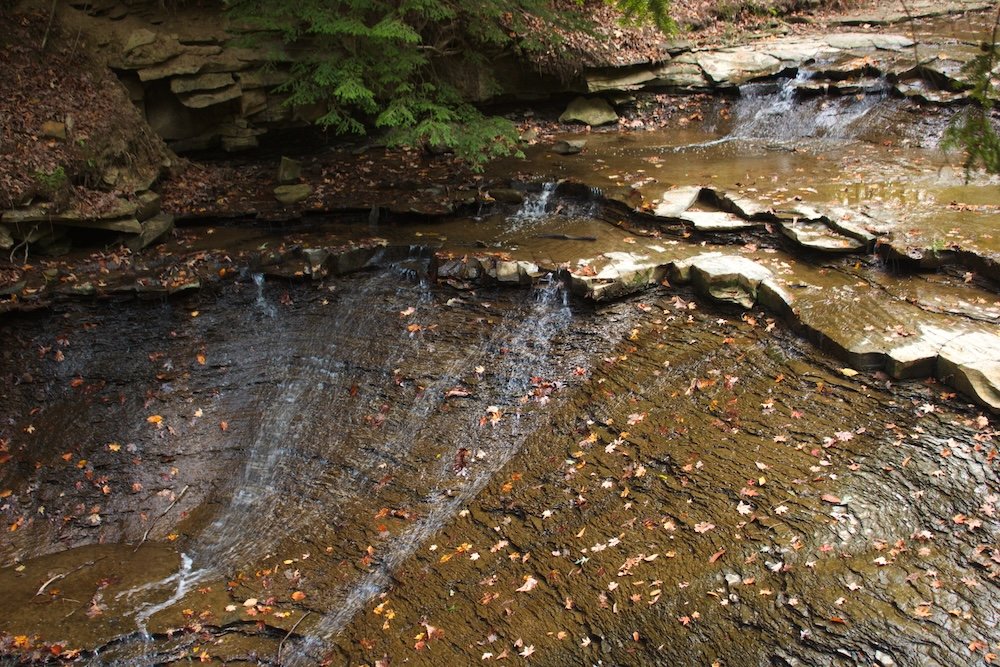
column 656, row 12
column 381, row 63
column 972, row 130
column 50, row 182
column 375, row 64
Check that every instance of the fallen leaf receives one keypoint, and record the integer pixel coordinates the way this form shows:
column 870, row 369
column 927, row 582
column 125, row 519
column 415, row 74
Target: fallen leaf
column 529, row 584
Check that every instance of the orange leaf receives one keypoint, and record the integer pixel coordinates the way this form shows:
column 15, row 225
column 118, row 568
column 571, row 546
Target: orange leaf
column 298, row 595
column 717, row 555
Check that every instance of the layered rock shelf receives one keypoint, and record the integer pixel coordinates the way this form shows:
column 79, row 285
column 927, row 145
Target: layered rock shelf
column 868, row 328
column 200, row 86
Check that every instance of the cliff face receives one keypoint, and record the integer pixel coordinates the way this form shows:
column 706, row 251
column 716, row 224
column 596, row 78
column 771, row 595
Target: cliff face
column 75, row 155
column 187, row 68
column 183, row 69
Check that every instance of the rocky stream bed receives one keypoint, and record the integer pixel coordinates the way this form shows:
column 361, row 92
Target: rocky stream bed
column 719, row 393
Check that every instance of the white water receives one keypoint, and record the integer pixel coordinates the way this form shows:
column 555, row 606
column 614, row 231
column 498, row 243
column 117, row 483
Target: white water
column 534, row 206
column 780, row 114
column 263, row 305
column 288, row 485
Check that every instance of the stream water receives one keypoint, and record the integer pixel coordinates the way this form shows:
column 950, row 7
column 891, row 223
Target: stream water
column 382, row 468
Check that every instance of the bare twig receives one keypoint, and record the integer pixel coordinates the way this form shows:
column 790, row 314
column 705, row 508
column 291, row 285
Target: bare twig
column 160, row 516
column 281, row 644
column 48, row 28
column 57, row 577
column 913, row 31
column 24, row 244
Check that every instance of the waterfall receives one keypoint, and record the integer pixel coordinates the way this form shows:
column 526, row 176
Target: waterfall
column 777, row 112
column 528, row 344
column 535, row 204
column 263, row 305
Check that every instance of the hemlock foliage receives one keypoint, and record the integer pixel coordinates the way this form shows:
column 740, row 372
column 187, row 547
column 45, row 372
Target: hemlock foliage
column 972, row 130
column 389, row 66
column 383, row 64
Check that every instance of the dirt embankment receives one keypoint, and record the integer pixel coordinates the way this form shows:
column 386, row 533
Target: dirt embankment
column 68, row 132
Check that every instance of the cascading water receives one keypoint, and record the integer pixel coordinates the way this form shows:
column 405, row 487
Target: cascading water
column 762, row 109
column 529, row 345
column 778, row 112
column 314, row 365
column 534, row 206
column 263, row 305
column 313, row 451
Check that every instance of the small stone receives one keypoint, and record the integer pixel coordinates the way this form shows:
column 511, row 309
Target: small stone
column 316, row 257
column 530, row 135
column 590, row 111
column 675, row 201
column 54, row 129
column 292, row 194
column 140, row 37
column 147, row 206
column 289, row 171
column 568, row 146
column 508, row 272
column 153, row 231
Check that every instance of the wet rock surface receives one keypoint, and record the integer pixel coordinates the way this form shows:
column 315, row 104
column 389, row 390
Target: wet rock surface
column 496, row 472
column 716, row 395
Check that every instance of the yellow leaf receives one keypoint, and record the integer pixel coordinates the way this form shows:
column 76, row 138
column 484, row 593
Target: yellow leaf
column 154, row 419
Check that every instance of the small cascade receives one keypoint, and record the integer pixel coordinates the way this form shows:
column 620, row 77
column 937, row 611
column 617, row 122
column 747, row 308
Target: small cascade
column 535, row 205
column 777, row 112
column 527, row 345
column 185, row 578
column 763, row 108
column 316, row 366
column 262, row 304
